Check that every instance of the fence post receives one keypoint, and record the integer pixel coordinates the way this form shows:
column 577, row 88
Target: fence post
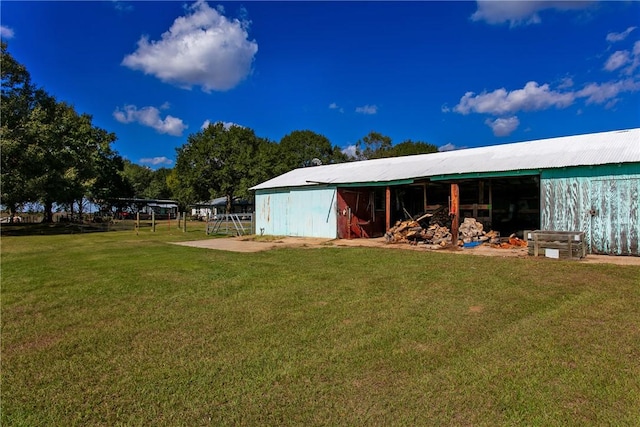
column 184, row 222
column 137, row 222
column 153, row 221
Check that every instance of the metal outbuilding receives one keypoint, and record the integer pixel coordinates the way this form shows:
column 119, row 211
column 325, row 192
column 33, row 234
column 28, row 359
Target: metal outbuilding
column 588, row 183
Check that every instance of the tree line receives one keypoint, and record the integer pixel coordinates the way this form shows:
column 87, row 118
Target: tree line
column 54, row 156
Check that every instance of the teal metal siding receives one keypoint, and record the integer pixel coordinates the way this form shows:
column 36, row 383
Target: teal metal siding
column 301, row 212
column 604, row 202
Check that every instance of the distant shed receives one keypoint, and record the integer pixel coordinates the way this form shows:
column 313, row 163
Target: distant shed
column 587, row 183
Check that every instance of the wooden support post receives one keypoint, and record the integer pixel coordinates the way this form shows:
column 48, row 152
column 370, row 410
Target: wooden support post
column 387, row 208
column 137, row 222
column 153, row 221
column 454, row 211
column 424, row 193
column 184, row 222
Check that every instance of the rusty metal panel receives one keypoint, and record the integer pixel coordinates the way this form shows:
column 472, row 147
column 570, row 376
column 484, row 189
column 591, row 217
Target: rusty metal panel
column 302, row 212
column 606, row 208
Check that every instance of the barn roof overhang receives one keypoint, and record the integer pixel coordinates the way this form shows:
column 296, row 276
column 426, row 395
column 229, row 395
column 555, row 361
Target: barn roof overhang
column 505, row 160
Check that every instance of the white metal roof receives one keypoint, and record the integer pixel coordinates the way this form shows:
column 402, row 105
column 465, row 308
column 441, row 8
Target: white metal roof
column 622, row 146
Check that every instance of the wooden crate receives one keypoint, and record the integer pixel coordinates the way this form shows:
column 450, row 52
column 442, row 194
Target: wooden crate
column 556, row 244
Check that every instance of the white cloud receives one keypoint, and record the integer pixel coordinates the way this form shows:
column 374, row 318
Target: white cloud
column 447, row 147
column 566, row 83
column 617, row 59
column 334, row 106
column 503, row 126
column 624, row 60
column 535, row 97
column 367, row 109
column 532, row 97
column 150, row 116
column 350, row 151
column 6, row 32
column 156, row 160
column 226, row 125
column 122, row 6
column 202, row 48
column 606, row 93
column 617, row 37
column 521, row 12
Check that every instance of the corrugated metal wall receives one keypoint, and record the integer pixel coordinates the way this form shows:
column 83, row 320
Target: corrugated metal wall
column 605, row 207
column 302, row 212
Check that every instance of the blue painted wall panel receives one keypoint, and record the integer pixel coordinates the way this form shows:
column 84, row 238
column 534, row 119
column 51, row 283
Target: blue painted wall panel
column 302, row 212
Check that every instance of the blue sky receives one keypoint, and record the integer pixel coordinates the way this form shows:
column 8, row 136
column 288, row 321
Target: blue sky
column 454, row 74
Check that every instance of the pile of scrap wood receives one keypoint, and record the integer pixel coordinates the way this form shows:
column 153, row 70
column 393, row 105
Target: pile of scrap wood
column 412, row 232
column 513, row 242
column 409, row 230
column 433, row 233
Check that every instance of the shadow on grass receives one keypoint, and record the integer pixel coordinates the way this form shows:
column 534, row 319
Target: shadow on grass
column 40, row 229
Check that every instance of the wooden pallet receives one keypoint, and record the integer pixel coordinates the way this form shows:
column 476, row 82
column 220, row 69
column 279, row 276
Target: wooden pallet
column 556, row 244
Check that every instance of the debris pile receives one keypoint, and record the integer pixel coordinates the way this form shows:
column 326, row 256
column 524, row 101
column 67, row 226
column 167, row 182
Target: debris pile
column 513, row 242
column 471, row 232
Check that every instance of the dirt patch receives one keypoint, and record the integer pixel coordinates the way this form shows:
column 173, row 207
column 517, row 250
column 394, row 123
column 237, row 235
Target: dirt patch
column 245, row 244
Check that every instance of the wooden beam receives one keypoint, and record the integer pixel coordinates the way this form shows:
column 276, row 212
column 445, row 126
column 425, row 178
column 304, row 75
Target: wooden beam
column 424, row 193
column 454, row 211
column 387, row 208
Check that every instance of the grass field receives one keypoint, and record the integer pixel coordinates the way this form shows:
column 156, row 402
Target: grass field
column 118, row 329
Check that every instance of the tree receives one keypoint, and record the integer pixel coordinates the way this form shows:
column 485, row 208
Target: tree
column 218, row 161
column 303, row 148
column 139, row 178
column 18, row 97
column 408, row 148
column 373, row 146
column 110, row 182
column 50, row 153
column 65, row 147
column 158, row 187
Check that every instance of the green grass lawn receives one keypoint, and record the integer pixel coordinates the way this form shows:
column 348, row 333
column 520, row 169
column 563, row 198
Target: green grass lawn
column 124, row 329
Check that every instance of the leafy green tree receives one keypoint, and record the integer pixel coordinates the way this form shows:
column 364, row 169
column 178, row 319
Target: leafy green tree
column 158, row 187
column 180, row 190
column 139, row 177
column 110, row 182
column 221, row 161
column 18, row 98
column 66, row 148
column 373, row 146
column 50, row 153
column 408, row 148
column 303, row 148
